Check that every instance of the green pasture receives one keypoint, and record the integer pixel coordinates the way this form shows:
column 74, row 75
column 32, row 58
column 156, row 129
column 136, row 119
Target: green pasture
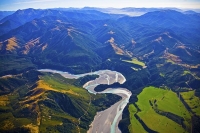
column 135, row 124
column 163, row 100
column 192, row 101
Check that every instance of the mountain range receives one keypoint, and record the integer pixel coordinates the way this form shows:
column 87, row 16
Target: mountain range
column 159, row 48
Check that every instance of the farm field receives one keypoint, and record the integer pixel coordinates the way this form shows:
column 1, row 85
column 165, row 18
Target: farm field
column 159, row 109
column 135, row 124
column 192, row 101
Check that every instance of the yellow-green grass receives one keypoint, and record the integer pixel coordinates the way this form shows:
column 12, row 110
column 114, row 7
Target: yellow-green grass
column 162, row 75
column 166, row 101
column 170, row 61
column 54, row 82
column 169, row 102
column 135, row 125
column 33, row 128
column 62, row 84
column 57, row 83
column 135, row 61
column 53, row 118
column 192, row 101
column 189, row 72
column 47, row 114
column 186, row 72
column 8, row 121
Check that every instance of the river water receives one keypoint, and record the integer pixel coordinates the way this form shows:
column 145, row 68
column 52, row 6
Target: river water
column 105, row 121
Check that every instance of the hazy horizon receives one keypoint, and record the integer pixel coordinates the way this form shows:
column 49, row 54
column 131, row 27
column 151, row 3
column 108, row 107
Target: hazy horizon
column 13, row 5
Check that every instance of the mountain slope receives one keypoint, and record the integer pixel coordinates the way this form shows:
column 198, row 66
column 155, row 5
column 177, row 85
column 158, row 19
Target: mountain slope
column 159, row 48
column 54, row 41
column 184, row 25
column 20, row 17
column 37, row 102
column 3, row 14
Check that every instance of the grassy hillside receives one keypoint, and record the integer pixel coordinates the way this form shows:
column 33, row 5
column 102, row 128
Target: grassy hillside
column 135, row 61
column 135, row 124
column 192, row 101
column 159, row 110
column 45, row 102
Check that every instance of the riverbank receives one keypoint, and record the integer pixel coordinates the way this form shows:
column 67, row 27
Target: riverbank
column 107, row 120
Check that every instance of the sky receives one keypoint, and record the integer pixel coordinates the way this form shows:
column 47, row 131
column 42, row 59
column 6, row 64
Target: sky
column 12, row 5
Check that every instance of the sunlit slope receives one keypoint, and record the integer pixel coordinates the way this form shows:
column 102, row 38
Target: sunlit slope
column 46, row 103
column 192, row 101
column 159, row 110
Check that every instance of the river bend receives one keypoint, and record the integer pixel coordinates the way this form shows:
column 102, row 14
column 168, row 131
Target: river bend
column 105, row 121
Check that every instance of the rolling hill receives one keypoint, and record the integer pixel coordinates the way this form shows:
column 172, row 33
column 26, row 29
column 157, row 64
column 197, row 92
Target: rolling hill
column 44, row 102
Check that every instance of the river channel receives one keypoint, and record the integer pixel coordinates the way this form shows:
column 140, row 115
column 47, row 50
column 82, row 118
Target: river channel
column 105, row 121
